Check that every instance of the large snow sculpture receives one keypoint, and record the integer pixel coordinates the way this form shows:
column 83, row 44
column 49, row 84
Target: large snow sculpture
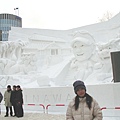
column 39, row 63
column 84, row 50
column 26, row 66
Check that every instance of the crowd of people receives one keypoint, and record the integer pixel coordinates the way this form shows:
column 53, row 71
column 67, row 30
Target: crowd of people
column 13, row 99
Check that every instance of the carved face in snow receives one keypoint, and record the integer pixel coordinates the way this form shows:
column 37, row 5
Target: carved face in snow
column 104, row 52
column 82, row 48
column 105, row 49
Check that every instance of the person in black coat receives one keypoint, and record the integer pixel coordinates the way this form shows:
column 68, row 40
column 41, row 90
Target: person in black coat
column 1, row 97
column 19, row 102
column 13, row 98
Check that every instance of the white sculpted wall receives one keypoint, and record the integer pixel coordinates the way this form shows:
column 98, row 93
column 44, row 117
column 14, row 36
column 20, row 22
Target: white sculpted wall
column 89, row 62
column 37, row 58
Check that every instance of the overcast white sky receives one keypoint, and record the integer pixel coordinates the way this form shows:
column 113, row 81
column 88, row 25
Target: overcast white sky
column 59, row 14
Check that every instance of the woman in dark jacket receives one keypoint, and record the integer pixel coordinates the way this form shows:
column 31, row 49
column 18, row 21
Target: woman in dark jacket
column 19, row 102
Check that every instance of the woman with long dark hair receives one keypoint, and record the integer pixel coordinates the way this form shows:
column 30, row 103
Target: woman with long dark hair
column 83, row 106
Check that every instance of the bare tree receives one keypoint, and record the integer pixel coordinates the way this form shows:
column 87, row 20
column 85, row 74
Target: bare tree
column 108, row 15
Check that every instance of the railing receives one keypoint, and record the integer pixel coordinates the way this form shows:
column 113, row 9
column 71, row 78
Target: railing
column 103, row 108
column 54, row 105
column 30, row 105
column 60, row 105
column 37, row 105
column 111, row 108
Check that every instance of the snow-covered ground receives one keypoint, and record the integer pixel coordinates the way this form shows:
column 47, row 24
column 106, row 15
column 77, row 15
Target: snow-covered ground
column 42, row 116
column 35, row 116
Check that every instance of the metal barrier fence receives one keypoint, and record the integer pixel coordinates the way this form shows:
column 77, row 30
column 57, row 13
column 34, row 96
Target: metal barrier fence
column 37, row 105
column 103, row 108
column 54, row 105
column 47, row 106
column 113, row 115
column 30, row 105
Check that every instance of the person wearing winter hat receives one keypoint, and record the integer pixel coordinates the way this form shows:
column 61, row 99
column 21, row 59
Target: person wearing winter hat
column 19, row 102
column 79, row 85
column 8, row 104
column 13, row 99
column 83, row 106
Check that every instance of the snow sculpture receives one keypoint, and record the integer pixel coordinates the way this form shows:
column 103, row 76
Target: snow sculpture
column 10, row 57
column 3, row 48
column 40, row 62
column 103, row 68
column 2, row 66
column 84, row 50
